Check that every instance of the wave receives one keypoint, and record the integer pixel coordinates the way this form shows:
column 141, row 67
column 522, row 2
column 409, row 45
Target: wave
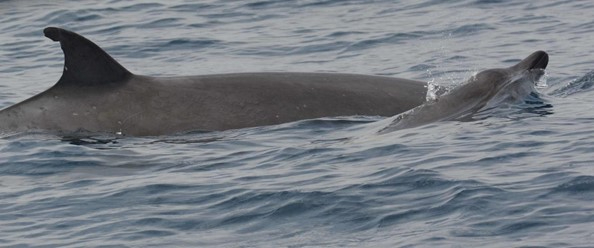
column 580, row 85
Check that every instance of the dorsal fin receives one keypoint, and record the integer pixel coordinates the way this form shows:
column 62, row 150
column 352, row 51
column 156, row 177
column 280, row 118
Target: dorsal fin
column 85, row 64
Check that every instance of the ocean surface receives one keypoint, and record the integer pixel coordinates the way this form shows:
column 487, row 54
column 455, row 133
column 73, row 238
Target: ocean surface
column 521, row 177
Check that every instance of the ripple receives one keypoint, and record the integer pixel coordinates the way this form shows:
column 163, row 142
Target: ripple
column 580, row 85
column 520, row 175
column 581, row 185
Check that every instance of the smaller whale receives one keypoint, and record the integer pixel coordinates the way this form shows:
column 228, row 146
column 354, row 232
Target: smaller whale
column 98, row 95
column 485, row 90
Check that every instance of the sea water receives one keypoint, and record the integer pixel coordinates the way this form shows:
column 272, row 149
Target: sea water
column 520, row 178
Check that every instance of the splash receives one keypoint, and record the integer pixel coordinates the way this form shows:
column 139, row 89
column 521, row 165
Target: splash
column 541, row 83
column 432, row 89
column 440, row 85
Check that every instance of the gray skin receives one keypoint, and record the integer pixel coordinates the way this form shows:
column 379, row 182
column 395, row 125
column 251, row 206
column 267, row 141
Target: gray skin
column 484, row 90
column 96, row 94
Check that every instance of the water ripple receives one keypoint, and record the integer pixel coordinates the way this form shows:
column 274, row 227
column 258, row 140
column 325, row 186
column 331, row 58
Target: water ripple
column 519, row 175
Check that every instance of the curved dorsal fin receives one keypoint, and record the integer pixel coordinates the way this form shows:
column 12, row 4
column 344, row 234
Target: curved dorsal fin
column 85, row 64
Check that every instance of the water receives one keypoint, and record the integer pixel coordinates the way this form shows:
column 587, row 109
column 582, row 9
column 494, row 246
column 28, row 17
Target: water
column 514, row 179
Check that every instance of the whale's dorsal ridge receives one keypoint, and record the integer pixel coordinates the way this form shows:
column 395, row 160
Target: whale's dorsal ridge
column 85, row 63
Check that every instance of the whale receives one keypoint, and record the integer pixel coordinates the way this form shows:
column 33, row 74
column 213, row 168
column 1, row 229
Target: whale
column 96, row 94
column 483, row 91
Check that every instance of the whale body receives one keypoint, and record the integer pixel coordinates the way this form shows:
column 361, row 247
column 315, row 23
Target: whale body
column 97, row 94
column 485, row 90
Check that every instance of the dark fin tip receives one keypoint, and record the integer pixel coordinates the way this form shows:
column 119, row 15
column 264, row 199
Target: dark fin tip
column 52, row 33
column 85, row 63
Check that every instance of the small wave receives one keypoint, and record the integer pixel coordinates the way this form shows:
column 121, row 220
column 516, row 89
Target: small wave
column 581, row 185
column 160, row 23
column 344, row 33
column 66, row 16
column 583, row 84
column 502, row 228
column 397, row 38
column 180, row 44
column 264, row 4
column 140, row 7
column 192, row 7
column 470, row 29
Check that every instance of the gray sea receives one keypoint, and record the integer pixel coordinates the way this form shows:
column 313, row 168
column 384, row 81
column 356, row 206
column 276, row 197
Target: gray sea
column 522, row 177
